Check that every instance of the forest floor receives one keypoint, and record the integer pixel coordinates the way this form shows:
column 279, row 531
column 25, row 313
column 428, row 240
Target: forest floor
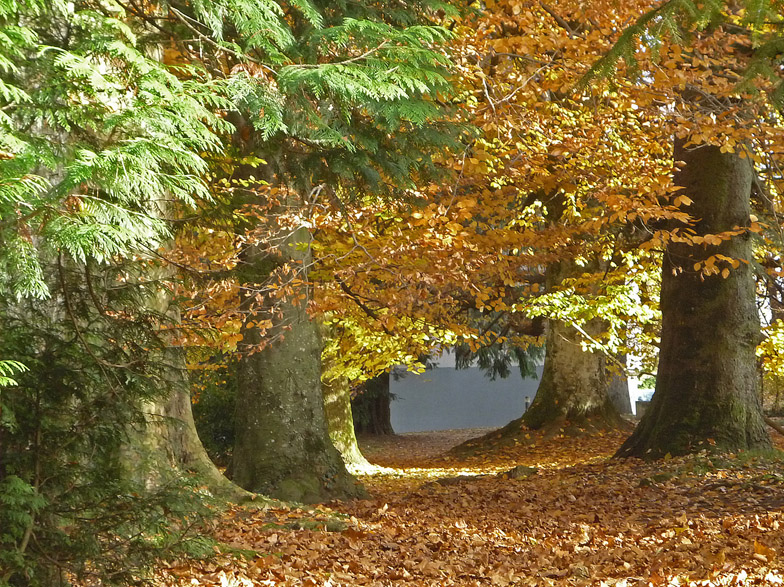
column 578, row 519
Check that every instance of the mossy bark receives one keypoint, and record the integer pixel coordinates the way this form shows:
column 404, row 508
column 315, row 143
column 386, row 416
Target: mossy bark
column 706, row 387
column 340, row 422
column 572, row 396
column 282, row 447
column 171, row 433
column 573, row 391
column 169, row 438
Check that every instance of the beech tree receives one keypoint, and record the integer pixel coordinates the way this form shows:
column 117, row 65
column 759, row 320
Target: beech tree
column 553, row 181
column 707, row 383
column 345, row 108
column 707, row 393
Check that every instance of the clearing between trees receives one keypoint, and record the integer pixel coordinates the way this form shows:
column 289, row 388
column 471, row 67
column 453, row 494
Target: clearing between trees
column 575, row 517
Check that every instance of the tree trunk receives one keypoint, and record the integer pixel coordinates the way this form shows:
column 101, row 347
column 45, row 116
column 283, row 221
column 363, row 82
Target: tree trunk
column 372, row 407
column 618, row 390
column 573, row 388
column 282, row 447
column 340, row 422
column 572, row 396
column 706, row 390
column 171, row 432
column 573, row 391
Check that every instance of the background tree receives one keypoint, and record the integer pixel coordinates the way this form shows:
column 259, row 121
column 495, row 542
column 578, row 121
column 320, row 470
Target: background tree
column 336, row 103
column 553, row 180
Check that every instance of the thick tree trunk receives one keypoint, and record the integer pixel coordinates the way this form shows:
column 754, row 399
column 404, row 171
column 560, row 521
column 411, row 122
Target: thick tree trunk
column 572, row 396
column 171, row 433
column 340, row 422
column 282, row 447
column 372, row 407
column 706, row 387
column 573, row 389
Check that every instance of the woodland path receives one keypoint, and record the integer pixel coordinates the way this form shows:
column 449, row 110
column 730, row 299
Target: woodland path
column 580, row 520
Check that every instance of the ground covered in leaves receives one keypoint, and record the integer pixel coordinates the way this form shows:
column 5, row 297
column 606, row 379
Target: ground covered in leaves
column 566, row 515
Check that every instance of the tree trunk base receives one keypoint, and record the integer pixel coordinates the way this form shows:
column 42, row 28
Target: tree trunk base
column 519, row 433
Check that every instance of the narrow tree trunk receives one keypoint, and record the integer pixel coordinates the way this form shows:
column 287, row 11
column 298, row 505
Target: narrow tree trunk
column 618, row 390
column 372, row 407
column 282, row 447
column 340, row 422
column 706, row 395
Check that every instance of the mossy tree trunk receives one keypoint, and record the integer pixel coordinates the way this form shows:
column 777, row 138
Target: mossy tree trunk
column 282, row 446
column 706, row 387
column 573, row 391
column 340, row 422
column 171, row 434
column 572, row 396
column 169, row 438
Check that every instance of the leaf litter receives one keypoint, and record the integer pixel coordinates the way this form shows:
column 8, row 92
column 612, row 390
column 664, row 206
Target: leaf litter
column 575, row 517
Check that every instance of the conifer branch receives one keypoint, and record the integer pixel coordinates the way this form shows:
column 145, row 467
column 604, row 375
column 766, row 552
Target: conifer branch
column 367, row 53
column 184, row 19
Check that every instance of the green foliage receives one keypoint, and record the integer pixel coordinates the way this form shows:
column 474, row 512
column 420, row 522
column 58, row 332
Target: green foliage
column 355, row 88
column 75, row 497
column 102, row 140
column 95, row 136
column 98, row 138
column 7, row 369
column 497, row 359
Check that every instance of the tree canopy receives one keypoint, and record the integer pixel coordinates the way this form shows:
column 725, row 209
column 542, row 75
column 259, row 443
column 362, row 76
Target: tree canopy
column 196, row 188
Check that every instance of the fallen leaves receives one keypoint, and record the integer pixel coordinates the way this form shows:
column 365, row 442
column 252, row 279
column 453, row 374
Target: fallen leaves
column 579, row 519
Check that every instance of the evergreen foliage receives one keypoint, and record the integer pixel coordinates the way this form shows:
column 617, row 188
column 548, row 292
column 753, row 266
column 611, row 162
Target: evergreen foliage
column 761, row 22
column 342, row 102
column 111, row 114
column 97, row 137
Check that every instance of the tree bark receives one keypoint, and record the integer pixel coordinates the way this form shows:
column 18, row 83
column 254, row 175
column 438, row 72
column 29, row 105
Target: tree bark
column 618, row 390
column 340, row 422
column 572, row 396
column 706, row 387
column 171, row 432
column 573, row 391
column 282, row 447
column 372, row 407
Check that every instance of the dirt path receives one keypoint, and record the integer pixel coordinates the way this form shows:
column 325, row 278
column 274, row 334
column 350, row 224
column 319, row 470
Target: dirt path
column 413, row 449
